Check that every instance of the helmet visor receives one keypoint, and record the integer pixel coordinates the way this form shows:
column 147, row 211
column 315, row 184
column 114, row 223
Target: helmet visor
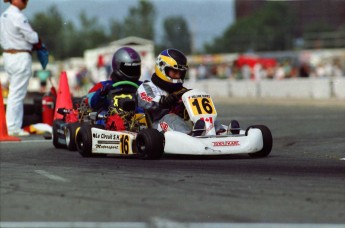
column 182, row 71
column 130, row 69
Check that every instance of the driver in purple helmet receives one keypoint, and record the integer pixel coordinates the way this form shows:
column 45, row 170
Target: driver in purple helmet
column 126, row 64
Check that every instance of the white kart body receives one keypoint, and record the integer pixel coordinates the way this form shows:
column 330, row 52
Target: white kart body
column 112, row 142
column 180, row 143
column 200, row 105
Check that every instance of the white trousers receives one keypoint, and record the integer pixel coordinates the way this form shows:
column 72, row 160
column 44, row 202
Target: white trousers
column 18, row 67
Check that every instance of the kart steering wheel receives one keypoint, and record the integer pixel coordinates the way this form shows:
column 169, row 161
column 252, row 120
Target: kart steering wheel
column 125, row 83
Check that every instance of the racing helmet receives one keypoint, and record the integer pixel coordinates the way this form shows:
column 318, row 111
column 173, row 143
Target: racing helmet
column 166, row 60
column 126, row 64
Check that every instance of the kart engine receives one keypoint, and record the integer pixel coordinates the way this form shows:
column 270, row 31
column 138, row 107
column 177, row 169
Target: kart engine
column 120, row 120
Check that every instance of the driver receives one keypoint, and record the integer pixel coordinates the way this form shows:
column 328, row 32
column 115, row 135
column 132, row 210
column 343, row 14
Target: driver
column 160, row 97
column 126, row 64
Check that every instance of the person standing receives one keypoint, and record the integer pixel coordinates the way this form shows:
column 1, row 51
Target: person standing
column 17, row 39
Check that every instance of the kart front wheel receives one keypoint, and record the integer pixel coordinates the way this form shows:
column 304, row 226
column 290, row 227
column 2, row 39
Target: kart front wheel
column 267, row 141
column 84, row 140
column 150, row 143
column 70, row 133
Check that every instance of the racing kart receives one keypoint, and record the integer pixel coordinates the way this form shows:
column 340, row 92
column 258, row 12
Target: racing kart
column 120, row 125
column 256, row 140
column 65, row 129
column 132, row 134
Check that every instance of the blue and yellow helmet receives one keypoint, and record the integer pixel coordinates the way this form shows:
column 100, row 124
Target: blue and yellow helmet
column 171, row 59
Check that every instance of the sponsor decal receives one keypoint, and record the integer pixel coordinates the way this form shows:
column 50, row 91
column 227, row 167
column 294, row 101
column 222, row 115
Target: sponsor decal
column 132, row 64
column 226, row 143
column 145, row 97
column 111, row 141
column 198, row 96
column 110, row 147
column 106, row 136
column 107, row 142
column 164, row 126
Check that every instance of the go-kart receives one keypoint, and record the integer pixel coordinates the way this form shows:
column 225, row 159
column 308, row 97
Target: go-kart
column 120, row 125
column 64, row 129
column 127, row 133
column 256, row 140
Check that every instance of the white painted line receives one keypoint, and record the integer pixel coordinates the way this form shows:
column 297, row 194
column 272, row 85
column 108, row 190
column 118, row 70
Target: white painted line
column 72, row 224
column 163, row 224
column 51, row 176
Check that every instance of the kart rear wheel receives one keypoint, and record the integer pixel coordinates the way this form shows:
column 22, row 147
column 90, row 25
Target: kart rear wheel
column 150, row 143
column 84, row 140
column 70, row 134
column 267, row 141
column 56, row 126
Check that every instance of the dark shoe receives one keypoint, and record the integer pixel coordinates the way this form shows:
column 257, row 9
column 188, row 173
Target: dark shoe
column 199, row 128
column 234, row 127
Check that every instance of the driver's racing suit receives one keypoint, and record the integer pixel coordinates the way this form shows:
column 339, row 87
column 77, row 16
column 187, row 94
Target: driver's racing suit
column 99, row 101
column 163, row 119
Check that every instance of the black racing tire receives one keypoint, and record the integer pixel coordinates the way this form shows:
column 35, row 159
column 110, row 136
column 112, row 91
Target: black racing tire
column 267, row 141
column 56, row 126
column 70, row 134
column 84, row 140
column 150, row 144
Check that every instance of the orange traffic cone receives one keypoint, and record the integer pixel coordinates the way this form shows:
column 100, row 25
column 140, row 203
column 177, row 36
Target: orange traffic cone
column 3, row 126
column 64, row 99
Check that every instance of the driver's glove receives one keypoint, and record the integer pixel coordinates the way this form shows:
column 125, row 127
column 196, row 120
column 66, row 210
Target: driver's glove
column 168, row 101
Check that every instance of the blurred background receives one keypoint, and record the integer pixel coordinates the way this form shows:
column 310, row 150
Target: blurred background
column 249, row 44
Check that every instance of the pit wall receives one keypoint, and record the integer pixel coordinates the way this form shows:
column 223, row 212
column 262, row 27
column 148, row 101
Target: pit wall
column 299, row 88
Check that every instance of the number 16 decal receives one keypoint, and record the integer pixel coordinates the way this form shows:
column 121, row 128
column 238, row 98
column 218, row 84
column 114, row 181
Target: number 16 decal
column 124, row 144
column 202, row 106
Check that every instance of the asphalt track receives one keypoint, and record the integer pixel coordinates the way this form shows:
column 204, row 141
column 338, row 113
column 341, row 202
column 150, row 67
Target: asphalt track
column 301, row 182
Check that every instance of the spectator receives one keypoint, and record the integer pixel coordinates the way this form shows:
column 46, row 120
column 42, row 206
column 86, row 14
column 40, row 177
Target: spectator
column 304, row 70
column 202, row 72
column 337, row 70
column 43, row 76
column 246, row 72
column 17, row 39
column 280, row 72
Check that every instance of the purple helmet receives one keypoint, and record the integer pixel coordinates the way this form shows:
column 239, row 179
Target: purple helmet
column 126, row 65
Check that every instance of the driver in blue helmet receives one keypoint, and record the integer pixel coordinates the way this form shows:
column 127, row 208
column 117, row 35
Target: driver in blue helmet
column 160, row 96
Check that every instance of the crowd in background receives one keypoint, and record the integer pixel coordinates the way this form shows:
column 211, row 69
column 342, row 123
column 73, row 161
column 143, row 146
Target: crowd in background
column 281, row 70
column 81, row 79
